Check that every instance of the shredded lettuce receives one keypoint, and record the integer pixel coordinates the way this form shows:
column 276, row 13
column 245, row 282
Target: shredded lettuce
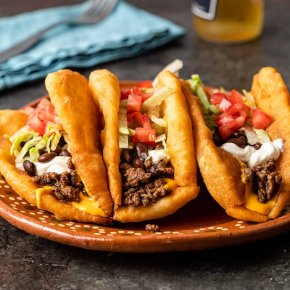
column 249, row 100
column 159, row 130
column 34, row 154
column 48, row 142
column 52, row 128
column 55, row 140
column 26, row 147
column 160, row 138
column 222, row 90
column 210, row 121
column 209, row 110
column 123, row 140
column 23, row 136
column 122, row 121
column 132, row 132
column 153, row 114
column 173, row 67
column 22, row 130
column 123, row 104
column 156, row 99
column 262, row 135
column 42, row 142
column 147, row 90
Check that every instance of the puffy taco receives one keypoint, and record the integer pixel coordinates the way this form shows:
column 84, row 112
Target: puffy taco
column 148, row 147
column 53, row 160
column 242, row 144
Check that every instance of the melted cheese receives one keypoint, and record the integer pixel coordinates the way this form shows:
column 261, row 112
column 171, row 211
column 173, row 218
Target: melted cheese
column 243, row 166
column 170, row 183
column 251, row 199
column 89, row 206
column 252, row 203
column 86, row 204
column 40, row 192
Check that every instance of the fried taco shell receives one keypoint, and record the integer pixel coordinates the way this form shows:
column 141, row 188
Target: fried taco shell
column 80, row 118
column 21, row 182
column 106, row 92
column 272, row 97
column 220, row 170
column 105, row 88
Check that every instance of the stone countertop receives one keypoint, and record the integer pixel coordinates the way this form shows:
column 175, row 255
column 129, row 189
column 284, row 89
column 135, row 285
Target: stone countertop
column 29, row 262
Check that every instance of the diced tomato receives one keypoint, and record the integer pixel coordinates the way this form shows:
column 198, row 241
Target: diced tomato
column 225, row 131
column 244, row 114
column 134, row 103
column 217, row 98
column 43, row 104
column 36, row 124
column 226, row 120
column 42, row 115
column 146, row 84
column 260, row 120
column 135, row 92
column 144, row 135
column 224, row 105
column 28, row 110
column 232, row 111
column 236, row 97
column 146, row 96
column 246, row 108
column 146, row 122
column 236, row 123
column 134, row 115
column 124, row 95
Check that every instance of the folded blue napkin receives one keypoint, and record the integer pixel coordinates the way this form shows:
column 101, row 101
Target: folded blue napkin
column 126, row 32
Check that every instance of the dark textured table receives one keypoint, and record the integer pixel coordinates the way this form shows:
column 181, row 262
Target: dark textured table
column 29, row 262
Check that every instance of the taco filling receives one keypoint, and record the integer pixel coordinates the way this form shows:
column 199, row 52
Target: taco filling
column 42, row 150
column 145, row 167
column 238, row 127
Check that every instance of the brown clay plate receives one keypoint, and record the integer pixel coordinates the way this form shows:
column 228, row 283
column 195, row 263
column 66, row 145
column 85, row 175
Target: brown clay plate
column 201, row 224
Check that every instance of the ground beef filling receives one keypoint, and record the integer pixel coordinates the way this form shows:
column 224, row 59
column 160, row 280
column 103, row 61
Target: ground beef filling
column 142, row 180
column 66, row 186
column 152, row 228
column 265, row 180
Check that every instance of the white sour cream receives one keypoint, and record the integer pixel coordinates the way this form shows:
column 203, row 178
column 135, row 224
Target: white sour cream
column 58, row 165
column 157, row 156
column 254, row 157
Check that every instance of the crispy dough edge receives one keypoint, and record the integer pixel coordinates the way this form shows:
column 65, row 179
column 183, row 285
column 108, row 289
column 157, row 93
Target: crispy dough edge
column 163, row 207
column 179, row 138
column 71, row 96
column 272, row 97
column 106, row 92
column 26, row 188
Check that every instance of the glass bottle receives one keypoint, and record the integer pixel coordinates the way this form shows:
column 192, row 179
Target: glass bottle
column 228, row 21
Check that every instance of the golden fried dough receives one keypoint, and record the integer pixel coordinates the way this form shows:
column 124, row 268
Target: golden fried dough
column 165, row 206
column 26, row 188
column 106, row 92
column 179, row 138
column 71, row 96
column 220, row 170
column 11, row 121
column 272, row 97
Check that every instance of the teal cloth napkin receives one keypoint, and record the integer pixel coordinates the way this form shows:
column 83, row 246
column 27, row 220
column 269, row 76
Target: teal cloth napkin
column 126, row 32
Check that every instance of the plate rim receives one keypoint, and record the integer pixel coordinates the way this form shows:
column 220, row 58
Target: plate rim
column 147, row 243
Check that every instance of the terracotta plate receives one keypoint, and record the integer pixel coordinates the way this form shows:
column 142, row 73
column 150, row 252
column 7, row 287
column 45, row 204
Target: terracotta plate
column 201, row 224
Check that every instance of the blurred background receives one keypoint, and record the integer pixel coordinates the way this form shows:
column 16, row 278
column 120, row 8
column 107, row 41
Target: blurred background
column 231, row 66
